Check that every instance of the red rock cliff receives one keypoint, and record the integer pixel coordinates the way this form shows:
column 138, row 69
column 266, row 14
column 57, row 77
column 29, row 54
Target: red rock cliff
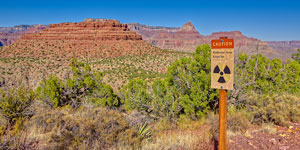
column 91, row 38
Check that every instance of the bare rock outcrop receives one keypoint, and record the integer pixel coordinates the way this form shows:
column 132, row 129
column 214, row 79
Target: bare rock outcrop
column 188, row 27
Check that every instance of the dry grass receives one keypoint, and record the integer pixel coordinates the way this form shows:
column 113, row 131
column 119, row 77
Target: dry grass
column 84, row 128
column 280, row 109
column 185, row 135
column 267, row 127
column 187, row 140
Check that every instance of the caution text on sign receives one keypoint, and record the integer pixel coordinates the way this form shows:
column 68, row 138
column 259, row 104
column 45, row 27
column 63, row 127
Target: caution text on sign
column 222, row 64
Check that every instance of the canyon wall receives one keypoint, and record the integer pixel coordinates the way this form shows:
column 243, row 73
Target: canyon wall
column 187, row 38
column 9, row 35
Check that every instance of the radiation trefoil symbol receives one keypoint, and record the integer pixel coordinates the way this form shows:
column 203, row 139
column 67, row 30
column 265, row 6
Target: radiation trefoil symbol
column 221, row 73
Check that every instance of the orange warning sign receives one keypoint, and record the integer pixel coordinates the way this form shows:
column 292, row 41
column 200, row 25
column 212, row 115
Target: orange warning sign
column 222, row 64
column 222, row 43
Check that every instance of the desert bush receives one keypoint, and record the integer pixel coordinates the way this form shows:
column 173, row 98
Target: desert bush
column 83, row 84
column 264, row 76
column 165, row 101
column 238, row 120
column 104, row 96
column 277, row 109
column 137, row 96
column 51, row 92
column 84, row 128
column 191, row 79
column 15, row 103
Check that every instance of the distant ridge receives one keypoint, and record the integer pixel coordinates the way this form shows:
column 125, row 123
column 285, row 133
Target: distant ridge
column 9, row 35
column 187, row 38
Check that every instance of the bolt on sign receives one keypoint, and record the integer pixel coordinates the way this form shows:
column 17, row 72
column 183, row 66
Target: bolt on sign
column 222, row 64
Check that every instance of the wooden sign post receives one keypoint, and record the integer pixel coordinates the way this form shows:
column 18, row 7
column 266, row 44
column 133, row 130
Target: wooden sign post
column 222, row 67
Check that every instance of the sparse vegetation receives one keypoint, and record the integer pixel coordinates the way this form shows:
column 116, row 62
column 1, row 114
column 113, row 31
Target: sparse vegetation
column 173, row 95
column 86, row 128
column 277, row 109
column 15, row 103
column 82, row 85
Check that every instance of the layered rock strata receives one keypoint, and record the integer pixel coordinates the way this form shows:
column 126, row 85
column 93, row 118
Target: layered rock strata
column 187, row 38
column 91, row 38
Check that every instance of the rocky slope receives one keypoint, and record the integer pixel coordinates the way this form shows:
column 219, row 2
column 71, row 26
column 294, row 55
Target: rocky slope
column 95, row 38
column 9, row 35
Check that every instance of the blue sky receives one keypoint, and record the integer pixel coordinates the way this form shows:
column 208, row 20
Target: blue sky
column 262, row 19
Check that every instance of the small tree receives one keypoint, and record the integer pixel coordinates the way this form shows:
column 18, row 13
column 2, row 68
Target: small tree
column 190, row 77
column 136, row 95
column 165, row 100
column 51, row 92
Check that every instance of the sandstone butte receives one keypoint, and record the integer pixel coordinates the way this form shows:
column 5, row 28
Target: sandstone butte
column 187, row 38
column 93, row 38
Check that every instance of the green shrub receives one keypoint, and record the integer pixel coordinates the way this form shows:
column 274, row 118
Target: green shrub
column 84, row 84
column 51, row 92
column 190, row 77
column 165, row 101
column 278, row 109
column 136, row 95
column 15, row 103
column 104, row 96
column 264, row 76
column 186, row 87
